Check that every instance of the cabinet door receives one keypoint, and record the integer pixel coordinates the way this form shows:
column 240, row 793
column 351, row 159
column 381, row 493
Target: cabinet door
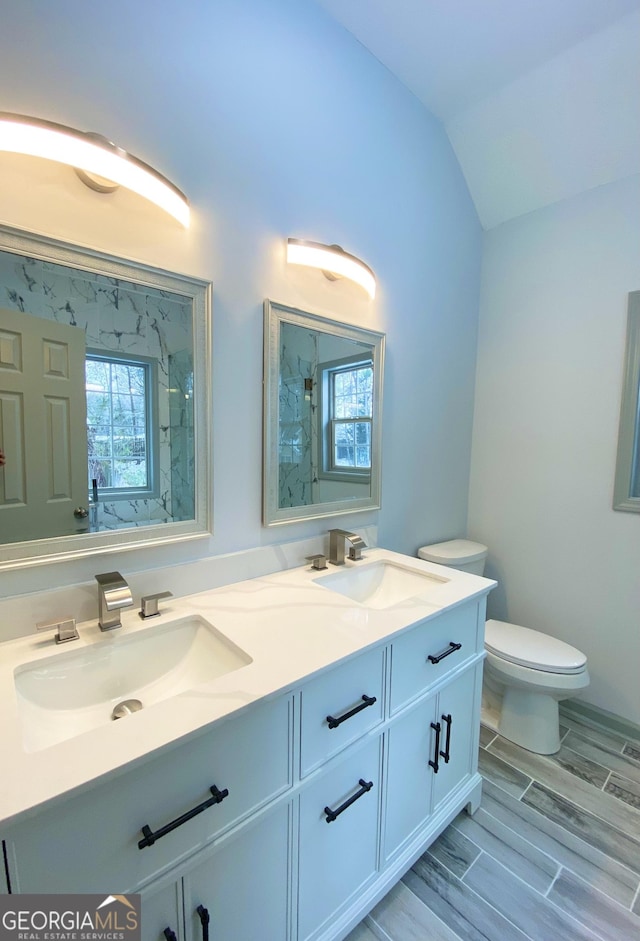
column 244, row 885
column 411, row 746
column 337, row 857
column 458, row 721
column 162, row 909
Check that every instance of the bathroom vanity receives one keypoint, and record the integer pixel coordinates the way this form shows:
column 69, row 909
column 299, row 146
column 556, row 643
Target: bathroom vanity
column 279, row 800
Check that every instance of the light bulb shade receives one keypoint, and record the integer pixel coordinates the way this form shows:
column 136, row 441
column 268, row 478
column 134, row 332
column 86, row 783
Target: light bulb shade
column 37, row 138
column 333, row 259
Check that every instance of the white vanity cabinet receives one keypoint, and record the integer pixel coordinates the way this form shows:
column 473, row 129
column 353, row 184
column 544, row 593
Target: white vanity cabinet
column 457, row 714
column 432, row 750
column 239, row 890
column 410, row 747
column 428, row 653
column 163, row 910
column 97, row 833
column 340, row 706
column 338, row 837
column 335, row 787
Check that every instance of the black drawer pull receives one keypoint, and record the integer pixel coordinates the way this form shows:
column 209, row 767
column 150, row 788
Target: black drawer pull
column 169, row 934
column 203, row 913
column 150, row 837
column 366, row 701
column 364, row 787
column 436, row 752
column 445, row 653
column 447, row 742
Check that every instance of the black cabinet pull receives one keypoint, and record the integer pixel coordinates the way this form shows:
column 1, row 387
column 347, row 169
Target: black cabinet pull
column 169, row 934
column 436, row 754
column 366, row 701
column 150, row 837
column 447, row 742
column 445, row 653
column 364, row 787
column 204, row 921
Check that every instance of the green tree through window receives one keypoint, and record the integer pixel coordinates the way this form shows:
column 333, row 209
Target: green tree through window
column 351, row 413
column 118, row 393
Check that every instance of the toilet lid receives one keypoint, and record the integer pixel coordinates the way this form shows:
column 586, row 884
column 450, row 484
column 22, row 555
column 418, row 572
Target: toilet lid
column 532, row 649
column 453, row 552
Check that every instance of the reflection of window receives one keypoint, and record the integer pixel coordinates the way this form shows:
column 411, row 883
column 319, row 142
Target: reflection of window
column 119, row 405
column 347, row 416
column 290, row 443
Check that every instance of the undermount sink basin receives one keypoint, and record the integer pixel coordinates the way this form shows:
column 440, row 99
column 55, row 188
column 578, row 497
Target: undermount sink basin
column 382, row 584
column 69, row 693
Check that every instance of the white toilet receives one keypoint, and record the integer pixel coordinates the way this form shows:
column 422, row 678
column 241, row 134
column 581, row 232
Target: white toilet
column 526, row 672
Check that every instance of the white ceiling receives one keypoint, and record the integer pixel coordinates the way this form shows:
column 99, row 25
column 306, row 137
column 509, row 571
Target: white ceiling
column 453, row 53
column 539, row 98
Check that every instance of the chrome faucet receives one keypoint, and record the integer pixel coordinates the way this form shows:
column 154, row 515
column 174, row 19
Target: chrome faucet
column 338, row 538
column 113, row 594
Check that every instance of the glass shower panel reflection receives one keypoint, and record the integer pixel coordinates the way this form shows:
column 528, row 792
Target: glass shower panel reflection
column 296, row 409
column 182, row 436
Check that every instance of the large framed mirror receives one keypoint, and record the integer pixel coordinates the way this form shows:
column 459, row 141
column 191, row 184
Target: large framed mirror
column 322, row 416
column 104, row 402
column 626, row 495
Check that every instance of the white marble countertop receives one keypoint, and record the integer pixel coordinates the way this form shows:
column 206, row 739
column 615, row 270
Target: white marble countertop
column 288, row 625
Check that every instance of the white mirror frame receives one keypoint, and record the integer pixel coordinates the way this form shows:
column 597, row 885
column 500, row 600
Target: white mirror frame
column 628, row 461
column 274, row 315
column 38, row 551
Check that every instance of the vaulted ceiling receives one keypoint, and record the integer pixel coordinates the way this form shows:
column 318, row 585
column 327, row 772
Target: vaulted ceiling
column 539, row 97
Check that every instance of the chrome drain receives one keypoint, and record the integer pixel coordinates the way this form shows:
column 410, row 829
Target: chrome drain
column 125, row 708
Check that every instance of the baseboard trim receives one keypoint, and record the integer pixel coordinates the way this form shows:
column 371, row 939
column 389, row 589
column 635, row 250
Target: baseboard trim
column 600, row 718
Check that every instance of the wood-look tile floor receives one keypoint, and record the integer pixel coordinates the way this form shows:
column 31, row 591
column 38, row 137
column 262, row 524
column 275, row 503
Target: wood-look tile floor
column 553, row 853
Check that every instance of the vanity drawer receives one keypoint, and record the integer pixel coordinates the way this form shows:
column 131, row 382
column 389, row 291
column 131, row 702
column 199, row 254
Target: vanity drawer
column 412, row 672
column 89, row 843
column 337, row 708
column 338, row 841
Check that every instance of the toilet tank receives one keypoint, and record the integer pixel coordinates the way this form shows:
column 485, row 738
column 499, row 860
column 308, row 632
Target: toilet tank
column 462, row 554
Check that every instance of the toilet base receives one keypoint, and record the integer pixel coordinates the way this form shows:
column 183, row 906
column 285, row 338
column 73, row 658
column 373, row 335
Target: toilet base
column 531, row 720
column 528, row 713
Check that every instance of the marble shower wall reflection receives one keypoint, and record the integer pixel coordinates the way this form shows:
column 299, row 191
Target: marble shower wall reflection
column 182, row 435
column 119, row 316
column 296, row 410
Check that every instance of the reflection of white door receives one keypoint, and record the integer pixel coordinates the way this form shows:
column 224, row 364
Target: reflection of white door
column 43, row 427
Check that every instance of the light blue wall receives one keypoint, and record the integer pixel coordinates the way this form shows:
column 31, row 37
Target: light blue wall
column 276, row 123
column 550, row 362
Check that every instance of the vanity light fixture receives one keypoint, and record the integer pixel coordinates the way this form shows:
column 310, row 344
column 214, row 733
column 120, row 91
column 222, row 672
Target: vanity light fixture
column 333, row 261
column 99, row 163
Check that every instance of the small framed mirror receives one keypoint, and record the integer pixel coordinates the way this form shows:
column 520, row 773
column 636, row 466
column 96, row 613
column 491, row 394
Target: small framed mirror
column 104, row 402
column 322, row 416
column 626, row 494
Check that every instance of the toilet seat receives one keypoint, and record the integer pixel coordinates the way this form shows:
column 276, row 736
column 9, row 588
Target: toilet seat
column 532, row 649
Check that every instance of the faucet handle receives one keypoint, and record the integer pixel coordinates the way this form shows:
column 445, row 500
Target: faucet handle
column 149, row 604
column 318, row 561
column 65, row 629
